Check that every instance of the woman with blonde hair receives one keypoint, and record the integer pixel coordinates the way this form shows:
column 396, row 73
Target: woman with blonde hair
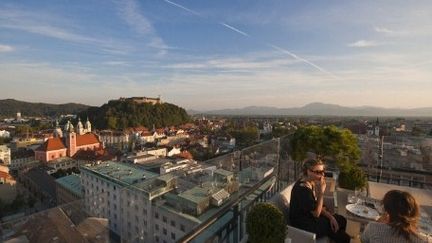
column 398, row 223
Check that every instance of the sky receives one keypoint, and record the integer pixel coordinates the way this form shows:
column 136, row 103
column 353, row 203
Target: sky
column 206, row 55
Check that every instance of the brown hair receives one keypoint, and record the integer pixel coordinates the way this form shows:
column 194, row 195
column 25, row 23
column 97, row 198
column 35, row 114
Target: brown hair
column 403, row 212
column 309, row 163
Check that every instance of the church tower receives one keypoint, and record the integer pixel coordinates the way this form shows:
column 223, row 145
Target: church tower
column 80, row 127
column 71, row 143
column 88, row 127
column 376, row 128
column 58, row 133
column 70, row 139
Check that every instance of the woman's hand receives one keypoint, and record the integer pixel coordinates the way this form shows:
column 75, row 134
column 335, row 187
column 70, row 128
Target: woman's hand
column 322, row 185
column 334, row 224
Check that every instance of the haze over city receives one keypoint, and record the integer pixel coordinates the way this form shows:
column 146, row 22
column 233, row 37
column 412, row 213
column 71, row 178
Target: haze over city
column 215, row 55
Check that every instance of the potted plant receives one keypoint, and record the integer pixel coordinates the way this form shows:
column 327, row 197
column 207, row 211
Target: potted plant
column 265, row 223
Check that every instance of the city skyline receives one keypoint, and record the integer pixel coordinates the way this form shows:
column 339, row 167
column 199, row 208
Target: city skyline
column 217, row 55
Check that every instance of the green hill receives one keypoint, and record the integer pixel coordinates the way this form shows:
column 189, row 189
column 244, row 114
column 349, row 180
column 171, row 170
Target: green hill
column 9, row 107
column 118, row 114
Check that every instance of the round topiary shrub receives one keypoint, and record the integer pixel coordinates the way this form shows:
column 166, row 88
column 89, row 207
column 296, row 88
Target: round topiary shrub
column 352, row 178
column 265, row 223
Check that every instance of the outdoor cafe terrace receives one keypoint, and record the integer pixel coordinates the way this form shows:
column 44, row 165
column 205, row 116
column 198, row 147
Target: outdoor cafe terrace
column 73, row 222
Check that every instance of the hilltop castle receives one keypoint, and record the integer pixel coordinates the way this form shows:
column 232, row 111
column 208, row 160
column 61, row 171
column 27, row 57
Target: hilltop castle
column 143, row 100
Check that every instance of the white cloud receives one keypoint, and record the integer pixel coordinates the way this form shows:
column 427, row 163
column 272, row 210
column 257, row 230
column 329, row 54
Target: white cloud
column 6, row 48
column 129, row 11
column 384, row 30
column 363, row 43
column 56, row 27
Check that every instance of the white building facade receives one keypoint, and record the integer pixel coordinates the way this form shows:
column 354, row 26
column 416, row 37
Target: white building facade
column 5, row 154
column 133, row 212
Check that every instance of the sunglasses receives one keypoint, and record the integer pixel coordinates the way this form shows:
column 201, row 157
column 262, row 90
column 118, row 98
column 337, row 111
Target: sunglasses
column 318, row 172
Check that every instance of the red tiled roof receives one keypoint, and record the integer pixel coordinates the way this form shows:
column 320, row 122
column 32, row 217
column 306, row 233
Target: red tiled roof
column 85, row 139
column 185, row 154
column 51, row 144
column 160, row 131
column 146, row 133
column 4, row 175
column 140, row 129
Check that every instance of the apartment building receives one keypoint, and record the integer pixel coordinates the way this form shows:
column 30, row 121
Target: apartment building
column 142, row 206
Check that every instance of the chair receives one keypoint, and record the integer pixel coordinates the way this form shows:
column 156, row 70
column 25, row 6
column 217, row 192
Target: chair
column 281, row 201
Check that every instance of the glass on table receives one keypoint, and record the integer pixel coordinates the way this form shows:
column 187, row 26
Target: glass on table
column 379, row 207
column 352, row 198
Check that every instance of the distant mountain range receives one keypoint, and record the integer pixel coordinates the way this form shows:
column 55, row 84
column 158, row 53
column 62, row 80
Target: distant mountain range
column 9, row 107
column 321, row 109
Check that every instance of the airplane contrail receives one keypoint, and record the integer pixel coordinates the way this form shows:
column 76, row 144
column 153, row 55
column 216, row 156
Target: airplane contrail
column 183, row 7
column 234, row 29
column 268, row 44
column 302, row 60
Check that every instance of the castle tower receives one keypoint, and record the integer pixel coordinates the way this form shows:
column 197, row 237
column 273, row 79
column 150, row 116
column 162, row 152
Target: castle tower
column 80, row 127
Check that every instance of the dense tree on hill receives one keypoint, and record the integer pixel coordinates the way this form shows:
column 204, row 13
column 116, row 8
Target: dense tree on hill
column 10, row 107
column 122, row 114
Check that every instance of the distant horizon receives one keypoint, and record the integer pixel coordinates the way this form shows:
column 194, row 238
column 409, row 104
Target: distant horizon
column 228, row 108
column 220, row 54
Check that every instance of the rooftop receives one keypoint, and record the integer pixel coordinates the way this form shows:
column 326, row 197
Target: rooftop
column 197, row 194
column 124, row 173
column 89, row 138
column 52, row 144
column 72, row 183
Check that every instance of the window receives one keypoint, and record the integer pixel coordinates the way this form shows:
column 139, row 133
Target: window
column 173, row 223
column 173, row 236
column 156, row 215
column 182, row 228
column 156, row 227
column 164, row 219
column 164, row 231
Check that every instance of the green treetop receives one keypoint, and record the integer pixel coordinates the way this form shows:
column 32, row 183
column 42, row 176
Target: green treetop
column 331, row 143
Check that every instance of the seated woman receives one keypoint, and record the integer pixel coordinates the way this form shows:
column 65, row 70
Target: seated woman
column 307, row 211
column 398, row 223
